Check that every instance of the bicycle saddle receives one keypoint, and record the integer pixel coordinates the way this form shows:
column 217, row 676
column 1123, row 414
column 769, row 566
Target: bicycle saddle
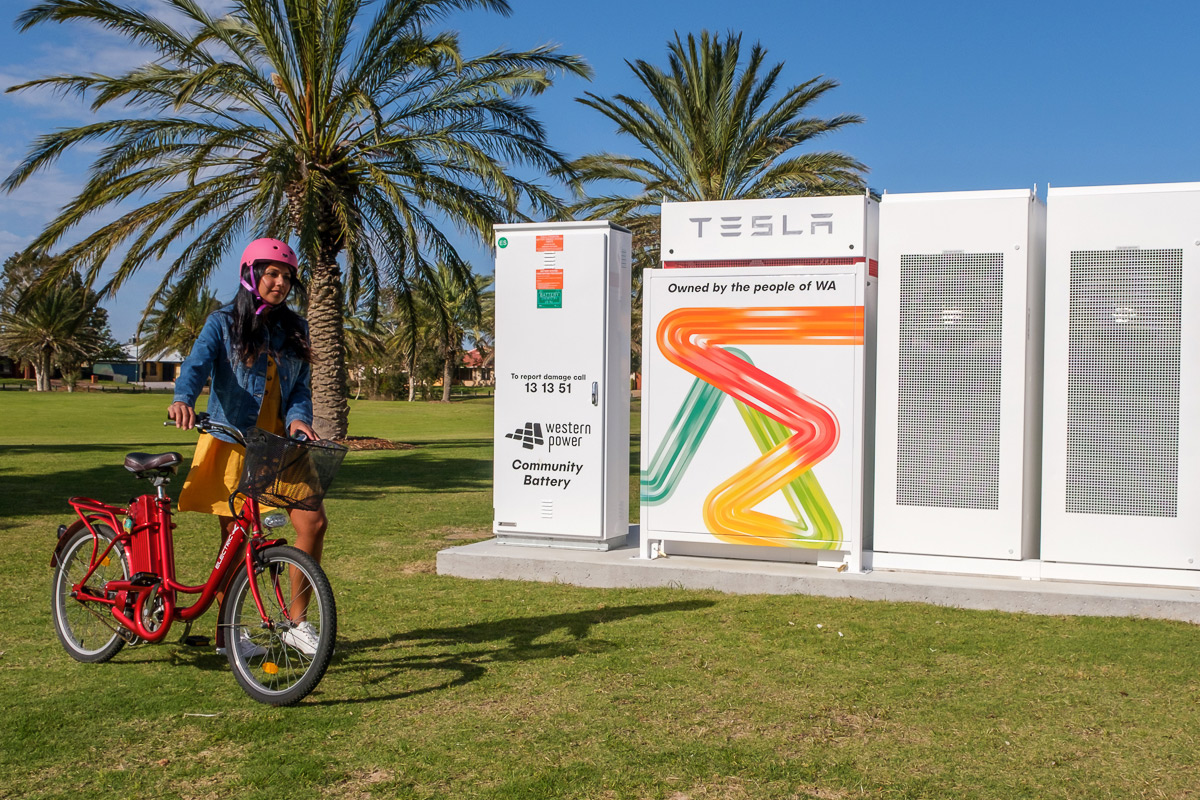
column 141, row 463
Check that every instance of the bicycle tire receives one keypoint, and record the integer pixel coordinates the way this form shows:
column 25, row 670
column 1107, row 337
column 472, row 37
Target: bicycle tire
column 271, row 668
column 83, row 635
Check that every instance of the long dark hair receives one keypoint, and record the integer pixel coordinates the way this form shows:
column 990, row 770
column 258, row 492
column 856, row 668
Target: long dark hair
column 250, row 330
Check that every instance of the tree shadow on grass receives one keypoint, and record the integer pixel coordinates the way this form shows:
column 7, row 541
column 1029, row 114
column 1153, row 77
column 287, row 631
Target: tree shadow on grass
column 422, row 470
column 118, row 451
column 467, row 651
column 30, row 495
column 439, row 467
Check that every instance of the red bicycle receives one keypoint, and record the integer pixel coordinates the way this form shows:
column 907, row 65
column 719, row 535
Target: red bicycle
column 114, row 570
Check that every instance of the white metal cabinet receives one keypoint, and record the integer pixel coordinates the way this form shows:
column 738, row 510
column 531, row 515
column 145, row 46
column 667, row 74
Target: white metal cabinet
column 774, row 286
column 562, row 384
column 1122, row 399
column 958, row 395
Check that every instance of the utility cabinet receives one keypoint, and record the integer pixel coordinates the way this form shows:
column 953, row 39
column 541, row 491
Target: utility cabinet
column 959, row 392
column 561, row 468
column 1122, row 399
column 756, row 380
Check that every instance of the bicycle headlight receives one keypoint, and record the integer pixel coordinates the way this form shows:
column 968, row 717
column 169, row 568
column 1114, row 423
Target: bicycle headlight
column 276, row 519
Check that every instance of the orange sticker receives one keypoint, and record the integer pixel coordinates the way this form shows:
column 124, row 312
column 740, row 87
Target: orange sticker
column 550, row 278
column 550, row 244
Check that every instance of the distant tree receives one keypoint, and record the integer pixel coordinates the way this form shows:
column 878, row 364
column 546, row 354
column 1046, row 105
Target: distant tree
column 482, row 335
column 110, row 348
column 415, row 341
column 714, row 127
column 53, row 326
column 452, row 307
column 163, row 330
column 28, row 305
column 21, row 270
column 364, row 347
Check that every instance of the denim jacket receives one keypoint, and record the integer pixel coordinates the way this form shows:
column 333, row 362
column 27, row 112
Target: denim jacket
column 237, row 389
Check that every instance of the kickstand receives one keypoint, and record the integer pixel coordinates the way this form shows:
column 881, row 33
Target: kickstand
column 193, row 641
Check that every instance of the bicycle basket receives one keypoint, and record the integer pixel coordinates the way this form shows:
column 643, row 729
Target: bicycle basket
column 287, row 473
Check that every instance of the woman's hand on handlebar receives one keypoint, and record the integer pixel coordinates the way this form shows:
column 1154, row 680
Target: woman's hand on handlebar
column 183, row 415
column 303, row 427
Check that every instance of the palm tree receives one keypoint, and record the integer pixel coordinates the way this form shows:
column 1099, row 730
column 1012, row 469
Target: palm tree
column 364, row 346
column 711, row 130
column 162, row 331
column 55, row 325
column 346, row 123
column 482, row 335
column 453, row 308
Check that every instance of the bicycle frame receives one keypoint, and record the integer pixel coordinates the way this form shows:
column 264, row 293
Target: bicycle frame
column 146, row 538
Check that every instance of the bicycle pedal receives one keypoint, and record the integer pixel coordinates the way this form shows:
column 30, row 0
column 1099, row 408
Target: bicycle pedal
column 144, row 579
column 196, row 641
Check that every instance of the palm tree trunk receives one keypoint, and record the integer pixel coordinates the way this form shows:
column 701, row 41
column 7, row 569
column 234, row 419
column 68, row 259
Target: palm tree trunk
column 331, row 409
column 41, row 371
column 447, row 374
column 410, row 366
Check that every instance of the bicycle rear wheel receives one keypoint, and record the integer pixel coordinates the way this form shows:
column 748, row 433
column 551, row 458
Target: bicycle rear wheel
column 281, row 660
column 88, row 631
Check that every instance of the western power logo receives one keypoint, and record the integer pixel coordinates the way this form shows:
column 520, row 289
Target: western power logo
column 557, row 434
column 528, row 436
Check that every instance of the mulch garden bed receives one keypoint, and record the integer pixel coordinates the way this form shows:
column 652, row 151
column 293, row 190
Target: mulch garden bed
column 372, row 443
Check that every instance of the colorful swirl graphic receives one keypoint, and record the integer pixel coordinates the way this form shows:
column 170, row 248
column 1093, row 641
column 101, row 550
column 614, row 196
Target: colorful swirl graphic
column 695, row 339
column 689, row 427
column 678, row 447
column 804, row 495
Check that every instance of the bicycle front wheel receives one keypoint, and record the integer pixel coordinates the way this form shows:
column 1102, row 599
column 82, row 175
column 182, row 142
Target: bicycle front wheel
column 280, row 659
column 88, row 631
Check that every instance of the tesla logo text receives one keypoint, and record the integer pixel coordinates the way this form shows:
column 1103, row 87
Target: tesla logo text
column 763, row 225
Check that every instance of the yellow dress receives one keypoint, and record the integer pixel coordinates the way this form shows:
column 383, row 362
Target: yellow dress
column 217, row 466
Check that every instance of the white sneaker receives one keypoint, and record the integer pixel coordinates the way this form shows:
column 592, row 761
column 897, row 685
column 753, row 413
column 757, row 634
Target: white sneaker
column 303, row 637
column 246, row 647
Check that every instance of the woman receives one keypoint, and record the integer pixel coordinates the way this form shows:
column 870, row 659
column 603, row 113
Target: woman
column 257, row 352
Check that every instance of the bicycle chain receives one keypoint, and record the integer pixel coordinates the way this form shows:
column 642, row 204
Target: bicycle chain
column 131, row 638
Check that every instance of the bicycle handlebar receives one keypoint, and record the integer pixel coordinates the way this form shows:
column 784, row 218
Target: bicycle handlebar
column 205, row 424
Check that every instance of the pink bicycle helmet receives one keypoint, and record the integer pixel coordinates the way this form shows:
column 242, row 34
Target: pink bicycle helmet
column 265, row 250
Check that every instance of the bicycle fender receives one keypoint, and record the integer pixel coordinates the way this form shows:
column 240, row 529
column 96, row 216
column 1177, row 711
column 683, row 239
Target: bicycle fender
column 65, row 533
column 263, row 544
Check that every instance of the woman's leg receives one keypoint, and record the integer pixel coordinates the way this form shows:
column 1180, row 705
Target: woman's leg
column 226, row 524
column 310, row 537
column 310, row 530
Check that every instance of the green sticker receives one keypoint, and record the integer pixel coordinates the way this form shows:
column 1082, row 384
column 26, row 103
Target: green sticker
column 503, row 243
column 549, row 298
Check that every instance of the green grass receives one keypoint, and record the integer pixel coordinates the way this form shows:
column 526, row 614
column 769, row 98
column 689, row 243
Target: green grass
column 450, row 688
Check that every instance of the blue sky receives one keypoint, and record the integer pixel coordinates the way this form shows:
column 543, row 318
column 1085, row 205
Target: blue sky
column 956, row 95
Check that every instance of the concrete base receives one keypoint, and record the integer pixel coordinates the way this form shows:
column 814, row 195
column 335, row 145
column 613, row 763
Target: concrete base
column 564, row 543
column 622, row 567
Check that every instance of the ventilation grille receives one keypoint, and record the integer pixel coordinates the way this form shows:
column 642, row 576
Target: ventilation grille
column 948, row 444
column 1123, row 382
